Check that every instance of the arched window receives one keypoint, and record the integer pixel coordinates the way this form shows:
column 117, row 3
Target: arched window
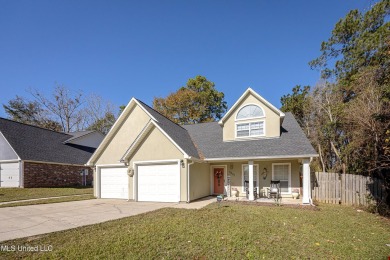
column 250, row 122
column 250, row 111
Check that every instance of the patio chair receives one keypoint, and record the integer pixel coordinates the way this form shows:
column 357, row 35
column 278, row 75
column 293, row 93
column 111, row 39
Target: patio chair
column 246, row 186
column 274, row 190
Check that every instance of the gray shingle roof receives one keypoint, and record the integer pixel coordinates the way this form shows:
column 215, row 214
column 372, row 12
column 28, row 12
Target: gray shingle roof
column 292, row 142
column 178, row 134
column 39, row 144
column 77, row 134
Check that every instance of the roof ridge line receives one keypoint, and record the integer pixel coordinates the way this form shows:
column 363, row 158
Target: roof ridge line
column 201, row 123
column 80, row 136
column 39, row 127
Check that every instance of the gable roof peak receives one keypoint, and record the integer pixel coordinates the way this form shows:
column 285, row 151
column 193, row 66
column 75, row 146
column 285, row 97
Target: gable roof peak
column 254, row 93
column 176, row 132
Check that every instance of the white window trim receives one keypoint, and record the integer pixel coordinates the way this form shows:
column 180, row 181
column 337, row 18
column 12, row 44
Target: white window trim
column 248, row 122
column 242, row 177
column 249, row 104
column 289, row 175
column 250, row 118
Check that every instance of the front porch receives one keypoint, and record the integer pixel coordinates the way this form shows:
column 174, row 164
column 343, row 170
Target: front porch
column 251, row 180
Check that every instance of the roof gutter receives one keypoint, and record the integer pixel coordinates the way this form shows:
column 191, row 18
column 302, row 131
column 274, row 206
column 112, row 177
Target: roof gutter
column 261, row 157
column 194, row 159
column 57, row 163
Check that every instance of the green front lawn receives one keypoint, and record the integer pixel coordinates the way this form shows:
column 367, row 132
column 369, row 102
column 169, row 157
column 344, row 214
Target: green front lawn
column 232, row 231
column 12, row 194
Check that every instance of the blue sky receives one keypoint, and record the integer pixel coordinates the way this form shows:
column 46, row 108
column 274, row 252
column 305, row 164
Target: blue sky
column 121, row 49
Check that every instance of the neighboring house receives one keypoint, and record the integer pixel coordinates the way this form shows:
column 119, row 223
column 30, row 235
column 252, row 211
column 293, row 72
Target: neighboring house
column 32, row 157
column 147, row 157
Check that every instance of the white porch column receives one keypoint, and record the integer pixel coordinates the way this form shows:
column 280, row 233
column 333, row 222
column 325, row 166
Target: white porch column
column 306, row 196
column 250, row 166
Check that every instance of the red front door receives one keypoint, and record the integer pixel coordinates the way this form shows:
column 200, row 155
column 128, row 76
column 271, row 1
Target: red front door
column 218, row 180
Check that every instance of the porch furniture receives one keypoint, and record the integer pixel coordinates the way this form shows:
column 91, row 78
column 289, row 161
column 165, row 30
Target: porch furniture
column 263, row 193
column 295, row 194
column 246, row 186
column 274, row 190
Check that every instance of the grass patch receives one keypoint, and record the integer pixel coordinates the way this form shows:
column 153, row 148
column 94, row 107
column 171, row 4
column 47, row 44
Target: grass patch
column 47, row 201
column 12, row 194
column 231, row 231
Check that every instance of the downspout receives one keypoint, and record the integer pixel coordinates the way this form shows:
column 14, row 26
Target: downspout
column 188, row 180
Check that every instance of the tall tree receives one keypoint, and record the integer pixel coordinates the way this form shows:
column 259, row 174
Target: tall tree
column 180, row 107
column 209, row 99
column 99, row 114
column 298, row 103
column 359, row 48
column 65, row 106
column 121, row 108
column 197, row 102
column 366, row 127
column 103, row 124
column 358, row 40
column 63, row 110
column 29, row 112
column 21, row 110
column 327, row 132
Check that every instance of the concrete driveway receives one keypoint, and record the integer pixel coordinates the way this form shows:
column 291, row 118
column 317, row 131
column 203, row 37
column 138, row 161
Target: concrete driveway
column 24, row 221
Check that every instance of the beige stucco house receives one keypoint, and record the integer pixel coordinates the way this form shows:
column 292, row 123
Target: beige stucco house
column 147, row 157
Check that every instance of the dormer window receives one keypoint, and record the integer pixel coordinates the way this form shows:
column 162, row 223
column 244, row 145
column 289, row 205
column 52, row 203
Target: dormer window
column 250, row 111
column 250, row 122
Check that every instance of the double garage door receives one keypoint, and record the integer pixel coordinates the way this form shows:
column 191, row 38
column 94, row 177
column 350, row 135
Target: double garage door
column 153, row 182
column 9, row 174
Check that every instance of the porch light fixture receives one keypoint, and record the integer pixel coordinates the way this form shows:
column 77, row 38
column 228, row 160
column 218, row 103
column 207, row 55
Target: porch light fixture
column 182, row 163
column 265, row 173
column 130, row 172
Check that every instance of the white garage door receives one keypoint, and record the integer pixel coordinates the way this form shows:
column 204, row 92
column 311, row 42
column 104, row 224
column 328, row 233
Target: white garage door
column 9, row 175
column 159, row 183
column 114, row 183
